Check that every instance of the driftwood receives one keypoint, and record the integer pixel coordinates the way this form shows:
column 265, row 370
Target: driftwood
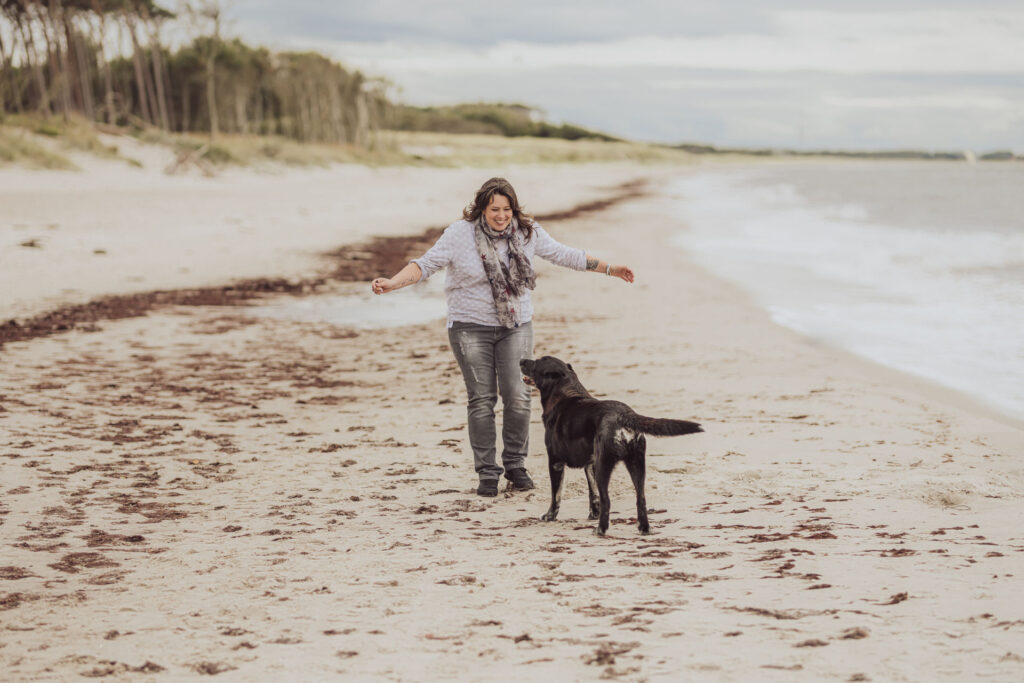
column 191, row 157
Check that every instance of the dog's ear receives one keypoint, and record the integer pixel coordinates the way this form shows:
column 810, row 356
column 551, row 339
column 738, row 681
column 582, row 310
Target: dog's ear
column 569, row 365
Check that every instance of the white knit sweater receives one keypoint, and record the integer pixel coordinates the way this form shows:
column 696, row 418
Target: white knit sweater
column 466, row 287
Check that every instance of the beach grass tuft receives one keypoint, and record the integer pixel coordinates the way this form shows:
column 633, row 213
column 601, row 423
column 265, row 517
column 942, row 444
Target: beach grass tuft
column 73, row 133
column 17, row 146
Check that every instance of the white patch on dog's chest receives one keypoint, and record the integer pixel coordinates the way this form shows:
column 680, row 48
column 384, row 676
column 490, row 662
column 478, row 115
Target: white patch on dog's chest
column 623, row 435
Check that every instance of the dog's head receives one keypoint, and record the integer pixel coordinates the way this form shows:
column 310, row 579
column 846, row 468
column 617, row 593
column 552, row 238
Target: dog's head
column 547, row 373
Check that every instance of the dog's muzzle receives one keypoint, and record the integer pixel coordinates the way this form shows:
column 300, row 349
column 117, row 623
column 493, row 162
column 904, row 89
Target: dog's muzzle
column 526, row 366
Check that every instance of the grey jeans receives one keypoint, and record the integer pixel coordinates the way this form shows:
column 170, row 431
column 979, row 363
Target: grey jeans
column 489, row 359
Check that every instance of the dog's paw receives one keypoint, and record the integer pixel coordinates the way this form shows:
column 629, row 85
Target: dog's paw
column 593, row 515
column 548, row 517
column 599, row 531
column 645, row 531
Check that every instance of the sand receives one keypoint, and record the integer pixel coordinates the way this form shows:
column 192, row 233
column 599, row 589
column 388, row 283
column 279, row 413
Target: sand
column 200, row 491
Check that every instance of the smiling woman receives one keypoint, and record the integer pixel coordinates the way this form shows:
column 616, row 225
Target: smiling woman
column 489, row 256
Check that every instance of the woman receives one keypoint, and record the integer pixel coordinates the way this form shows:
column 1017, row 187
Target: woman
column 489, row 255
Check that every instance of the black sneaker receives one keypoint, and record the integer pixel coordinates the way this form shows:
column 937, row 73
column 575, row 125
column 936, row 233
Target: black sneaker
column 488, row 487
column 519, row 478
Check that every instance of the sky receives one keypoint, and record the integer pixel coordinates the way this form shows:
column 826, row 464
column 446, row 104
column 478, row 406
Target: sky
column 803, row 74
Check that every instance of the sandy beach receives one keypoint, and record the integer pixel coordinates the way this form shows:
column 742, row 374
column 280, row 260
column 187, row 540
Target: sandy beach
column 203, row 491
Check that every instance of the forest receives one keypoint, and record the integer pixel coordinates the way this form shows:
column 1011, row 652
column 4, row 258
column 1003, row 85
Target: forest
column 109, row 62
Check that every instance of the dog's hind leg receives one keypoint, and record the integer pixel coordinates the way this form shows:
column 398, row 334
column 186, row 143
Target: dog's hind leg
column 636, row 467
column 603, row 473
column 595, row 501
column 557, row 472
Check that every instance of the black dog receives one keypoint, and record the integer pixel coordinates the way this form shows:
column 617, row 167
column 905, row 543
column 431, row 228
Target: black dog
column 582, row 431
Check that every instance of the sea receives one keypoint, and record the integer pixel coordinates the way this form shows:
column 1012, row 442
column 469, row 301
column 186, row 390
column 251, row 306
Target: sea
column 914, row 265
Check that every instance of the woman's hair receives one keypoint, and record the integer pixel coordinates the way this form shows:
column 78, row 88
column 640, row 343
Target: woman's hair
column 483, row 197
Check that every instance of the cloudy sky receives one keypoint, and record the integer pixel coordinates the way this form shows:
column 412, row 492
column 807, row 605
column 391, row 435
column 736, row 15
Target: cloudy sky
column 854, row 74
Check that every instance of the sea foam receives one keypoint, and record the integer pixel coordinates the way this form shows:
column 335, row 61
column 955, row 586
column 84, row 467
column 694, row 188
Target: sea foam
column 900, row 263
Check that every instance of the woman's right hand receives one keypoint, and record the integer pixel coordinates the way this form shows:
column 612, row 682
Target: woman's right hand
column 382, row 285
column 409, row 275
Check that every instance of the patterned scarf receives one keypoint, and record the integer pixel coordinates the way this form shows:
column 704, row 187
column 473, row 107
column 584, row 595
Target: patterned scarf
column 510, row 282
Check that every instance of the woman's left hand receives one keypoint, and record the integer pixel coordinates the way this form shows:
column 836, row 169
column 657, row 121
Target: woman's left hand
column 622, row 272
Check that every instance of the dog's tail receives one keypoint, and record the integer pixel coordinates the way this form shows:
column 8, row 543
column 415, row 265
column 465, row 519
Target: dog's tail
column 656, row 426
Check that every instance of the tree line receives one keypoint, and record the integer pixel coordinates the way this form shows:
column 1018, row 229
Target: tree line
column 507, row 119
column 106, row 60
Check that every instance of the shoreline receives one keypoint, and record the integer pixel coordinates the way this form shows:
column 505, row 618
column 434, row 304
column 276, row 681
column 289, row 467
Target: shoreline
column 925, row 386
column 833, row 255
column 199, row 491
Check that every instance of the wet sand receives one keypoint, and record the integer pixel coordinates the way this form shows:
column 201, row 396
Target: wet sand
column 197, row 490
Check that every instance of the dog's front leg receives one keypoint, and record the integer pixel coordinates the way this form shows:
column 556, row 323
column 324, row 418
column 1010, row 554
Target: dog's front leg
column 603, row 473
column 595, row 501
column 557, row 472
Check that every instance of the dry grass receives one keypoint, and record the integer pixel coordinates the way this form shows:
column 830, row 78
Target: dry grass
column 392, row 148
column 446, row 149
column 18, row 146
column 73, row 134
column 248, row 150
column 36, row 141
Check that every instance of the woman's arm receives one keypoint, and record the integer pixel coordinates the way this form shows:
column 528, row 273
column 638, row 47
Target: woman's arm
column 409, row 275
column 550, row 249
column 436, row 258
column 599, row 266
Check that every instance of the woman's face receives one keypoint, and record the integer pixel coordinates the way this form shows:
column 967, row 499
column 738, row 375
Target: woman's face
column 498, row 213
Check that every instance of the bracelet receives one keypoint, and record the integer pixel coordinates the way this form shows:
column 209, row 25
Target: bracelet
column 607, row 269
